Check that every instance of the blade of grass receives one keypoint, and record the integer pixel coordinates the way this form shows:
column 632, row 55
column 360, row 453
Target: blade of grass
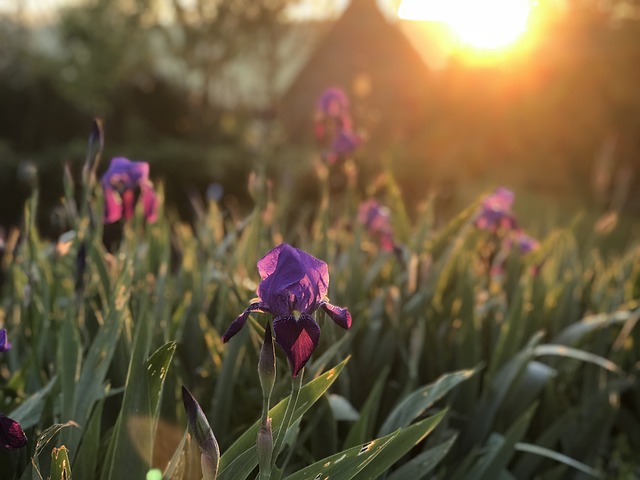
column 423, row 464
column 558, row 457
column 418, row 401
column 371, row 459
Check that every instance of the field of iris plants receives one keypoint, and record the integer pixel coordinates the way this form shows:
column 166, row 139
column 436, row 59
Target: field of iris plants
column 356, row 343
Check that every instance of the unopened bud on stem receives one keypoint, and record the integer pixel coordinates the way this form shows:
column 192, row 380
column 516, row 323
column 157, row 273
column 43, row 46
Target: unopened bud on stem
column 264, row 444
column 267, row 364
column 200, row 430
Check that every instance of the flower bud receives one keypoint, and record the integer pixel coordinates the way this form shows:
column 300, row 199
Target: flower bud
column 264, row 444
column 94, row 148
column 200, row 429
column 267, row 363
column 209, row 466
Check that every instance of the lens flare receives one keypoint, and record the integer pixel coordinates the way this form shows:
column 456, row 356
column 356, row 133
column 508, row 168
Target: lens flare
column 484, row 25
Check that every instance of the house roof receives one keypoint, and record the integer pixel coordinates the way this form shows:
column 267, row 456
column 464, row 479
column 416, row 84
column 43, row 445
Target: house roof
column 243, row 83
column 362, row 47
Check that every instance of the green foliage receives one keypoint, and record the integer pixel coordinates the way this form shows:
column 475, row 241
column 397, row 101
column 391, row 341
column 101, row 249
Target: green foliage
column 371, row 459
column 510, row 365
column 60, row 464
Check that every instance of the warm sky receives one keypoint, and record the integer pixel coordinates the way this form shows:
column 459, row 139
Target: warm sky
column 305, row 8
column 487, row 27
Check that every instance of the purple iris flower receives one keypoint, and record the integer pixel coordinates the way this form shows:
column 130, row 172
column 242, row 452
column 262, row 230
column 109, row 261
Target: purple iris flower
column 120, row 183
column 333, row 102
column 5, row 346
column 332, row 114
column 294, row 285
column 377, row 219
column 343, row 145
column 11, row 434
column 525, row 243
column 495, row 211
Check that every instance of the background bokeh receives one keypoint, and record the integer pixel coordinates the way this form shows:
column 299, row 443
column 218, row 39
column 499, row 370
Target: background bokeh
column 209, row 91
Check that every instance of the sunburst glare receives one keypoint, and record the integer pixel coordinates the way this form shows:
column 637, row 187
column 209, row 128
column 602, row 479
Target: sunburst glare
column 484, row 25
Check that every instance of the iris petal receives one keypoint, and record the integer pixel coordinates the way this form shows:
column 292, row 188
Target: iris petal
column 338, row 314
column 11, row 434
column 240, row 320
column 279, row 269
column 120, row 183
column 292, row 280
column 150, row 203
column 133, row 172
column 112, row 206
column 5, row 346
column 294, row 285
column 297, row 339
column 128, row 202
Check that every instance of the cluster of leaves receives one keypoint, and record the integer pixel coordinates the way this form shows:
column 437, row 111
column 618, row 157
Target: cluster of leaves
column 528, row 371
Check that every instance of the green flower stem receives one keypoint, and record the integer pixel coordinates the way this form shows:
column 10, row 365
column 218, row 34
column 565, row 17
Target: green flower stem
column 296, row 384
column 265, row 409
column 267, row 374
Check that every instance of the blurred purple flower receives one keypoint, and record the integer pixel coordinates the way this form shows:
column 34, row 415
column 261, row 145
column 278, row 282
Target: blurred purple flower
column 333, row 103
column 525, row 243
column 377, row 220
column 120, row 183
column 215, row 191
column 495, row 211
column 332, row 114
column 294, row 285
column 11, row 434
column 5, row 346
column 343, row 145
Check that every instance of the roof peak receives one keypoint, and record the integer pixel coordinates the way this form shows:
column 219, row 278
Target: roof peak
column 365, row 4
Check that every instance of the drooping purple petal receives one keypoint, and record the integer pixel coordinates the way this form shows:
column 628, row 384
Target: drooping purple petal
column 346, row 142
column 5, row 346
column 11, row 434
column 297, row 338
column 526, row 243
column 128, row 204
column 112, row 206
column 387, row 242
column 149, row 202
column 338, row 314
column 240, row 320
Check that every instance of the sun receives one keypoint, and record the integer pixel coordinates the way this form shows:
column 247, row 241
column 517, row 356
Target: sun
column 480, row 24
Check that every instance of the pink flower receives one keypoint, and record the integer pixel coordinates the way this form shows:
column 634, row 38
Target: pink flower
column 122, row 183
column 495, row 211
column 377, row 220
